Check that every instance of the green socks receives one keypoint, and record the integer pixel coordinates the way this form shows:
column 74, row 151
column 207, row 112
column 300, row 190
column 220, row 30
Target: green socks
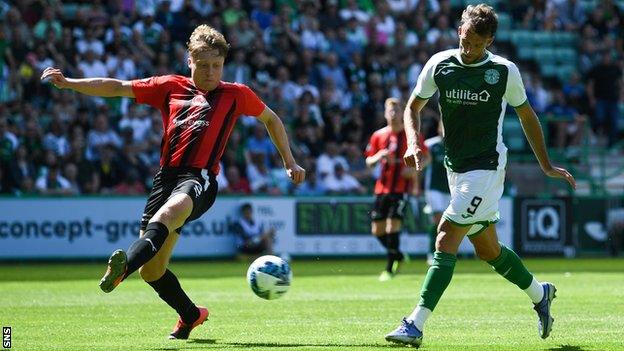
column 509, row 265
column 437, row 279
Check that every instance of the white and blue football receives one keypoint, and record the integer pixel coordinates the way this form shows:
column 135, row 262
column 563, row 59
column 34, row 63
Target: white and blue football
column 269, row 277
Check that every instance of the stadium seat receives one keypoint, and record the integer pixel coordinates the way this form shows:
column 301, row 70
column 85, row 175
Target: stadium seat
column 544, row 55
column 542, row 38
column 566, row 55
column 513, row 136
column 521, row 37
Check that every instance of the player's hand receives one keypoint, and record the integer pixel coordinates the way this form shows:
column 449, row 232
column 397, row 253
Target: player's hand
column 383, row 153
column 558, row 172
column 414, row 157
column 296, row 173
column 55, row 76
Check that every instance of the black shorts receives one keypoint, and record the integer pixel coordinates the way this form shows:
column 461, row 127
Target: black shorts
column 197, row 183
column 389, row 206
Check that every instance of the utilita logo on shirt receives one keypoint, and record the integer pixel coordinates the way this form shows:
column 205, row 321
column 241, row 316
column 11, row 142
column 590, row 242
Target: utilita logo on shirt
column 466, row 97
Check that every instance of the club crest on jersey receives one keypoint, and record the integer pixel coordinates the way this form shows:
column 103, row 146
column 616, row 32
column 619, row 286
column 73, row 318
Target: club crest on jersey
column 200, row 101
column 491, row 76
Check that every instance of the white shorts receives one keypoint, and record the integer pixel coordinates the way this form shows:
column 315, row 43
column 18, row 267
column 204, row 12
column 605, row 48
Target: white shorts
column 437, row 200
column 474, row 198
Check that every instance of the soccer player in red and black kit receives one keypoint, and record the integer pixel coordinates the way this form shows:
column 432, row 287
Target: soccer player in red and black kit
column 387, row 146
column 198, row 114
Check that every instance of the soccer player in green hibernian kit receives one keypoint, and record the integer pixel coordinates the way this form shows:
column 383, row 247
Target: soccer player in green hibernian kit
column 475, row 86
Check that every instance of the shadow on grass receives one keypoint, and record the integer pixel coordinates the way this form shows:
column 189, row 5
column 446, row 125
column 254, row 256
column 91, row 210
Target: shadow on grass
column 278, row 345
column 567, row 348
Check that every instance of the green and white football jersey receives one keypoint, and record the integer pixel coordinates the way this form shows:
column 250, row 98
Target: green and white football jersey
column 472, row 102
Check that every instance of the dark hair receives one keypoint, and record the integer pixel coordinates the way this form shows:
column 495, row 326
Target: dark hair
column 481, row 19
column 246, row 206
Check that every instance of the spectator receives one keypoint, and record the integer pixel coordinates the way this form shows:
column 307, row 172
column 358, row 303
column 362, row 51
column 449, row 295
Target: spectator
column 311, row 186
column 326, row 163
column 131, row 184
column 259, row 175
column 237, row 70
column 603, row 89
column 263, row 15
column 99, row 137
column 252, row 238
column 21, row 167
column 70, row 172
column 55, row 140
column 237, row 184
column 260, row 143
column 52, row 183
column 342, row 183
column 568, row 122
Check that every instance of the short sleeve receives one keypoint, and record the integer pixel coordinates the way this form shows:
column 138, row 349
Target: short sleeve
column 251, row 103
column 151, row 91
column 372, row 147
column 514, row 92
column 426, row 86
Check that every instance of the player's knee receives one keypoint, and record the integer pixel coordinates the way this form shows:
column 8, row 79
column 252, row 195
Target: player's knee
column 152, row 272
column 173, row 215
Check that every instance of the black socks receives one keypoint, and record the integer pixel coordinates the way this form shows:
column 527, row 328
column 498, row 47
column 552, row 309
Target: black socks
column 146, row 247
column 169, row 289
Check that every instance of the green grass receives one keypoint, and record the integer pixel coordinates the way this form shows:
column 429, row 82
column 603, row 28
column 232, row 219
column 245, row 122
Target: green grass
column 332, row 305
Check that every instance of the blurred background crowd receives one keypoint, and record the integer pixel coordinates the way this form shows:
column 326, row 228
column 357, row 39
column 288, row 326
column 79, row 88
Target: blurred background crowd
column 325, row 67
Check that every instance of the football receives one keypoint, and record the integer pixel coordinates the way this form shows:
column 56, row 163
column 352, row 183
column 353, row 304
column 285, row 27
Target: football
column 269, row 277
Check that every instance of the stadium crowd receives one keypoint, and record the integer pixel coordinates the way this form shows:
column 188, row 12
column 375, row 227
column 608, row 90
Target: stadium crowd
column 325, row 67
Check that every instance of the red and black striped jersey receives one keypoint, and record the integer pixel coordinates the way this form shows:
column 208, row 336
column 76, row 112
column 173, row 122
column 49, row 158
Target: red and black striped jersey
column 197, row 124
column 390, row 181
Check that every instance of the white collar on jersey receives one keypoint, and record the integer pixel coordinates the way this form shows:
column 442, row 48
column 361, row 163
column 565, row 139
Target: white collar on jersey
column 488, row 56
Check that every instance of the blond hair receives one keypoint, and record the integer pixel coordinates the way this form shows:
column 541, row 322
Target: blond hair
column 391, row 102
column 480, row 19
column 204, row 37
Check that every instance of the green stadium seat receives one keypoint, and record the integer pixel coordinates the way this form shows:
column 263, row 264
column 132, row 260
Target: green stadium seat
column 549, row 69
column 565, row 39
column 565, row 71
column 513, row 136
column 543, row 39
column 521, row 37
column 566, row 55
column 544, row 55
column 504, row 21
column 525, row 52
column 503, row 35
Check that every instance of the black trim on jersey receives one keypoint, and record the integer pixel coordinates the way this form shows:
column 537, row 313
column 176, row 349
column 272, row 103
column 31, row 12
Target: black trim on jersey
column 173, row 141
column 396, row 174
column 217, row 145
column 162, row 141
column 195, row 134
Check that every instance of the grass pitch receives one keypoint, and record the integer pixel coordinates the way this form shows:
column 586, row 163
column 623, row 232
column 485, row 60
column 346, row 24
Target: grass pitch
column 332, row 305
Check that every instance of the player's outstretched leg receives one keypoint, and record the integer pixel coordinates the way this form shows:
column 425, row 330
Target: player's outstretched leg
column 121, row 265
column 510, row 266
column 115, row 272
column 169, row 290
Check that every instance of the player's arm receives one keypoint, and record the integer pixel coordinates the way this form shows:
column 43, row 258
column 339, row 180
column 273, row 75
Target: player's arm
column 104, row 87
column 276, row 130
column 371, row 161
column 535, row 136
column 411, row 118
